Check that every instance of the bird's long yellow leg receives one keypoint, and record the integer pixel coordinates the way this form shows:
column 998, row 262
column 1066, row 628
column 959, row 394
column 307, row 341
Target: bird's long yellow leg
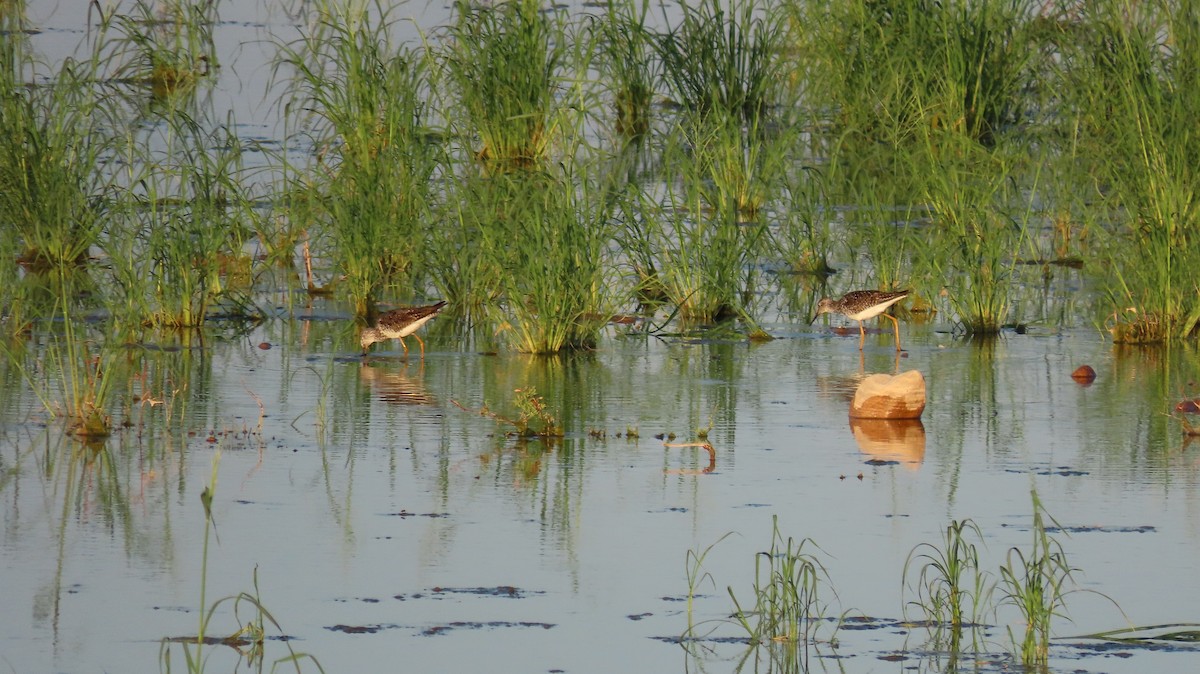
column 404, row 345
column 862, row 336
column 422, row 343
column 897, row 329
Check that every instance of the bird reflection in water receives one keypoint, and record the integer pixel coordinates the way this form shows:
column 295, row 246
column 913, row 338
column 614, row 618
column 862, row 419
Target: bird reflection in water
column 395, row 387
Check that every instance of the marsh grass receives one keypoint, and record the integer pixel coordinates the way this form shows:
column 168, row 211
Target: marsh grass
column 78, row 377
column 503, row 62
column 704, row 254
column 802, row 237
column 166, row 45
column 458, row 264
column 625, row 63
column 980, row 227
column 951, row 589
column 789, row 608
column 989, row 66
column 724, row 57
column 1132, row 86
column 551, row 254
column 890, row 69
column 52, row 197
column 366, row 197
column 178, row 248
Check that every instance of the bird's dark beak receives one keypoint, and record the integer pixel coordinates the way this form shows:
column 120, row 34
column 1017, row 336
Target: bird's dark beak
column 814, row 319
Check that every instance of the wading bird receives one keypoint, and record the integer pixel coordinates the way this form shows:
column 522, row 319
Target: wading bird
column 398, row 324
column 860, row 305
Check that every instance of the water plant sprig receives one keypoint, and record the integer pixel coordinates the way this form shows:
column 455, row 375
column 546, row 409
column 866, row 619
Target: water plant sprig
column 789, row 606
column 951, row 589
column 534, row 418
column 249, row 638
column 1037, row 583
column 694, row 569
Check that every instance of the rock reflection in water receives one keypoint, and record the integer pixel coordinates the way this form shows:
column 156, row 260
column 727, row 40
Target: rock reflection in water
column 899, row 440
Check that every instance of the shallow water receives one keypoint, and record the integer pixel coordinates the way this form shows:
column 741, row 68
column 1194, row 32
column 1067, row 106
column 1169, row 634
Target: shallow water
column 387, row 523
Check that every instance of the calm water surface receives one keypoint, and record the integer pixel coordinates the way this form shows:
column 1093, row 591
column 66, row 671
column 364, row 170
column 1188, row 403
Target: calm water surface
column 389, row 525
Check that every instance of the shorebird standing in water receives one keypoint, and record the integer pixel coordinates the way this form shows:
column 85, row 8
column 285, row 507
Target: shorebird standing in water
column 860, row 305
column 398, row 324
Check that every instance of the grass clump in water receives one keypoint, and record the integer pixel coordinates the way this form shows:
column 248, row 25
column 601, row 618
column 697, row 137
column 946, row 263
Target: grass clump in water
column 724, row 58
column 502, row 60
column 173, row 254
column 367, row 196
column 627, row 67
column 975, row 233
column 699, row 243
column 167, row 45
column 889, row 69
column 551, row 256
column 56, row 137
column 1131, row 81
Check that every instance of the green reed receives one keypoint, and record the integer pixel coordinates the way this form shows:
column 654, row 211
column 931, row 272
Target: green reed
column 888, row 69
column 455, row 259
column 989, row 65
column 502, row 60
column 951, row 589
column 802, row 238
column 788, row 604
column 704, row 245
column 1130, row 78
column 980, row 227
column 366, row 196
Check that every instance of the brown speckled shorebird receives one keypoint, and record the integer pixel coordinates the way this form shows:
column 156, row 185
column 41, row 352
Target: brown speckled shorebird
column 398, row 324
column 860, row 305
